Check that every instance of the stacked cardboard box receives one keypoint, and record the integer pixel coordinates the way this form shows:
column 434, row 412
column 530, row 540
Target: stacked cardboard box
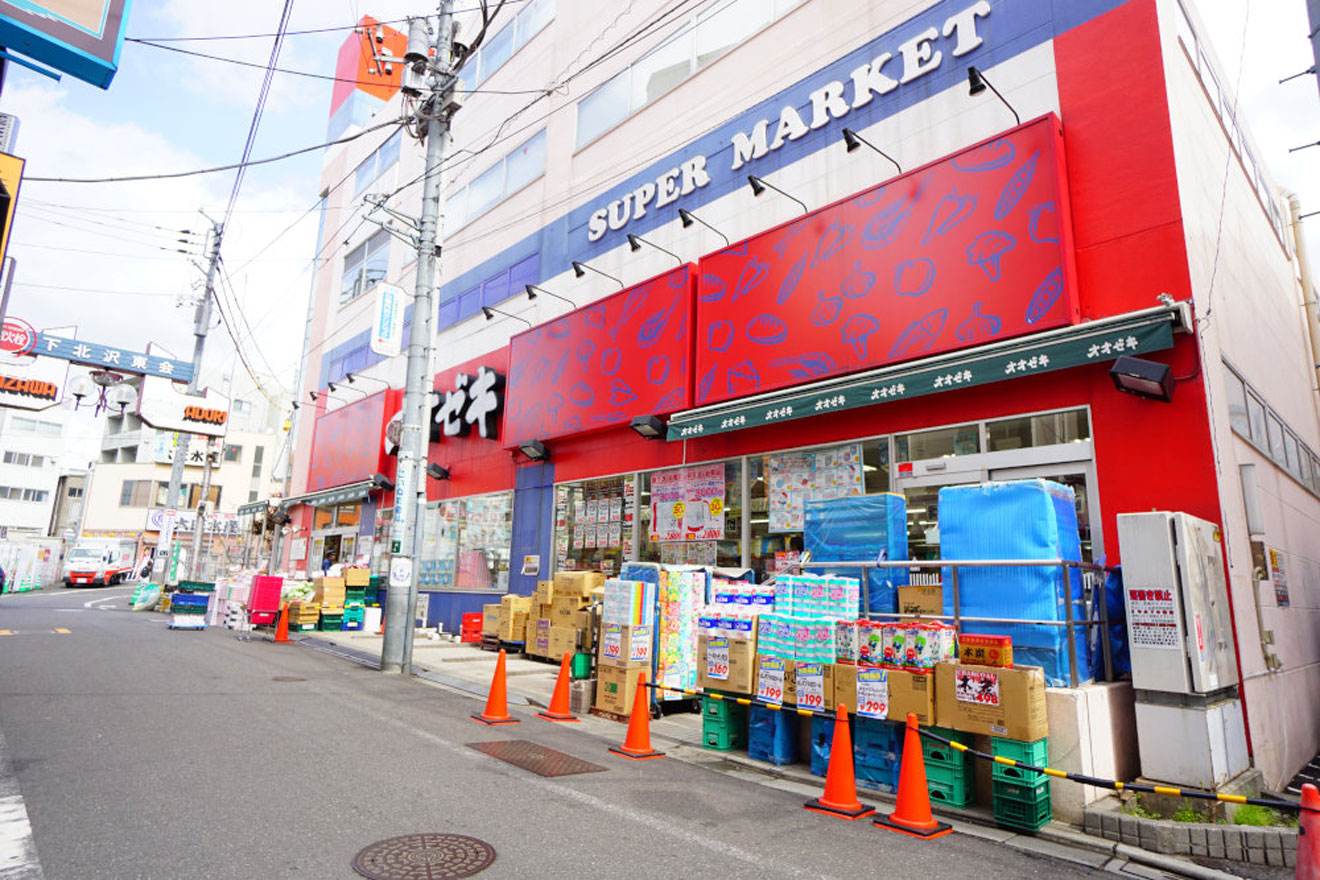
column 329, row 594
column 303, row 616
column 513, row 617
column 490, row 620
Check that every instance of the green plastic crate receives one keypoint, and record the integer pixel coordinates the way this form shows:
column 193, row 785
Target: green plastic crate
column 1035, row 752
column 935, row 752
column 950, row 785
column 721, row 737
column 1023, row 806
column 723, row 710
column 197, row 586
column 331, row 623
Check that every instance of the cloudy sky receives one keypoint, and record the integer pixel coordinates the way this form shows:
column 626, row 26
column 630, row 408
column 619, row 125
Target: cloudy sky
column 103, row 256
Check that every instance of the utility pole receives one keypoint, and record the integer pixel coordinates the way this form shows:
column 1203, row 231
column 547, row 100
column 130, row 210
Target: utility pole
column 201, row 324
column 434, row 112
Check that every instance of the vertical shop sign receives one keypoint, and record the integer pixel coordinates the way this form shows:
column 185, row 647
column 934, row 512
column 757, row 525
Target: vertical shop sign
column 687, row 504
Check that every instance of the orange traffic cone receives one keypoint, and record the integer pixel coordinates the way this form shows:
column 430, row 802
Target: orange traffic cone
column 840, row 797
column 282, row 628
column 637, row 744
column 497, row 706
column 559, row 710
column 1308, row 835
column 913, row 814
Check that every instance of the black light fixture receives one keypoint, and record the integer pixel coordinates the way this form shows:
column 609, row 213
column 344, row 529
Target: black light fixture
column 380, row 481
column 324, row 395
column 436, row 472
column 759, row 186
column 491, row 313
column 353, row 377
column 532, row 290
column 649, row 427
column 688, row 218
column 852, row 140
column 1149, row 379
column 580, row 268
column 635, row 243
column 535, row 450
column 333, row 387
column 977, row 83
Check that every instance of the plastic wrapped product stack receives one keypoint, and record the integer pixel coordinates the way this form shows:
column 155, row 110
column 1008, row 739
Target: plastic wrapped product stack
column 861, row 528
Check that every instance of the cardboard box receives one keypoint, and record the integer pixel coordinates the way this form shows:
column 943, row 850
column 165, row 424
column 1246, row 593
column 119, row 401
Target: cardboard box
column 357, row 577
column 561, row 639
column 920, row 600
column 578, row 583
column 912, row 692
column 616, row 686
column 513, row 602
column 564, row 610
column 742, row 666
column 538, row 637
column 979, row 650
column 845, row 686
column 991, row 700
column 328, row 590
column 625, row 644
column 513, row 627
column 490, row 620
column 545, row 592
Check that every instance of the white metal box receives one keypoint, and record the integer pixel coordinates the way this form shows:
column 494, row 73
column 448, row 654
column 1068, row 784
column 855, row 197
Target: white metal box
column 1192, row 746
column 1176, row 595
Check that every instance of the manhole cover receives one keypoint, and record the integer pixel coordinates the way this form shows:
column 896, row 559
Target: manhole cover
column 424, row 857
column 536, row 758
column 287, row 678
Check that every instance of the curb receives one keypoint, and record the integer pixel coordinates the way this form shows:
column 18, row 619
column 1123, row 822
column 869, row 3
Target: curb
column 1271, row 845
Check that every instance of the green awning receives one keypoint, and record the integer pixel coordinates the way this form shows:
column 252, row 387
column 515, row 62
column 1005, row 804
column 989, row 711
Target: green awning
column 1093, row 342
column 249, row 509
column 326, row 497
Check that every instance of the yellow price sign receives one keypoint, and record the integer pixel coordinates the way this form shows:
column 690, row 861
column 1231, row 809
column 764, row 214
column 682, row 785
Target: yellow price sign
column 716, row 506
column 678, row 510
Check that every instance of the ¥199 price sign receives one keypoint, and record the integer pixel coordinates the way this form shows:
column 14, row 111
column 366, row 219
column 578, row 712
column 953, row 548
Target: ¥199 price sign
column 811, row 686
column 770, row 681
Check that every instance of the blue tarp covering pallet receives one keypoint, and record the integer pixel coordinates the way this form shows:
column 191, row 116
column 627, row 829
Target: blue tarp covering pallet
column 1026, row 519
column 861, row 528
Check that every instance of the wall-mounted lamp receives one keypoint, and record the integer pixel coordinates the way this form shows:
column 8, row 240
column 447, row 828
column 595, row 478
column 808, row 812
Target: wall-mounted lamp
column 580, row 269
column 1149, row 379
column 491, row 313
column 380, row 481
column 323, row 396
column 532, row 291
column 649, row 427
column 333, row 387
column 852, row 140
column 535, row 450
column 759, row 186
column 688, row 218
column 977, row 84
column 353, row 377
column 436, row 472
column 635, row 243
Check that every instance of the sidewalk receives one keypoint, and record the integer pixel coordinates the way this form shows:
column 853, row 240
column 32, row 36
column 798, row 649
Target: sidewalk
column 468, row 669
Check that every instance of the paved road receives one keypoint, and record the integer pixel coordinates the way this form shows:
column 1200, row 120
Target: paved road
column 151, row 753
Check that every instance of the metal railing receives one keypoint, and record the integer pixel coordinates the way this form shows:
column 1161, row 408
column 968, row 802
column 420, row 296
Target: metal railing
column 1092, row 576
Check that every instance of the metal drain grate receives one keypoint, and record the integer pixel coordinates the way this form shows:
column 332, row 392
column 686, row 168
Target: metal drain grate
column 286, row 678
column 424, row 857
column 536, row 758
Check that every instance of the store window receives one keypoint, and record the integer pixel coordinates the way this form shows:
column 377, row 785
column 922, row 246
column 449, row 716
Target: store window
column 233, row 452
column 692, row 515
column 1256, row 415
column 1236, row 391
column 595, row 524
column 348, row 515
column 134, row 493
column 365, row 265
column 466, row 543
column 323, row 518
column 939, row 443
column 1049, row 429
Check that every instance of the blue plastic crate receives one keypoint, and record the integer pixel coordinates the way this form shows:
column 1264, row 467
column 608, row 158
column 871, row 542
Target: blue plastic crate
column 880, row 776
column 822, row 739
column 875, row 740
column 772, row 735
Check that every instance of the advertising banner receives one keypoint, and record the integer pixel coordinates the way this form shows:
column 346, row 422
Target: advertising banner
column 165, row 408
column 687, row 504
column 28, row 382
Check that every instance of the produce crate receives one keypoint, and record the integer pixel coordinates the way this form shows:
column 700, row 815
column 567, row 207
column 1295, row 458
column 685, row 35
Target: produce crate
column 771, row 735
column 822, row 739
column 724, row 710
column 721, row 736
column 935, row 752
column 875, row 740
column 1035, row 752
column 197, row 586
column 1026, row 807
column 352, row 625
column 951, row 786
column 355, row 596
column 331, row 623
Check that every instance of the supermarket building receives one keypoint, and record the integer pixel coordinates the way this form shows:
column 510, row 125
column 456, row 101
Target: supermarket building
column 945, row 312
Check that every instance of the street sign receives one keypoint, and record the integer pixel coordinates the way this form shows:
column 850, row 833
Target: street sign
column 108, row 357
column 387, row 321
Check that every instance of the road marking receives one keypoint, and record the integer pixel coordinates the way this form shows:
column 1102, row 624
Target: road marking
column 93, row 602
column 18, row 852
column 6, row 632
column 61, row 630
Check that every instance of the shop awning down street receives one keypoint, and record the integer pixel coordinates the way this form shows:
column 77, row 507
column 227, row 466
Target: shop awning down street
column 338, row 495
column 1093, row 342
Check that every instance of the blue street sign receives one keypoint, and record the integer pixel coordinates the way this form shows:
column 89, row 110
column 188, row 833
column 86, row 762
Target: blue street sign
column 109, row 358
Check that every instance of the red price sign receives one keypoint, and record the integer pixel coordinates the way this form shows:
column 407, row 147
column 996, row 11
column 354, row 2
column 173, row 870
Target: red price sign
column 717, row 659
column 872, row 693
column 976, row 687
column 770, row 681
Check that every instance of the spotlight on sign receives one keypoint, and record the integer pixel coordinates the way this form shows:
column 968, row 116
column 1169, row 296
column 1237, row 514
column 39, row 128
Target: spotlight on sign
column 580, row 269
column 852, row 140
column 1143, row 378
column 436, row 472
column 650, row 427
column 759, row 186
column 535, row 450
column 687, row 218
column 977, row 83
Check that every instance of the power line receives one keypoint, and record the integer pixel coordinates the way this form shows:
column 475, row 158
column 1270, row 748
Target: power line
column 61, row 222
column 216, row 169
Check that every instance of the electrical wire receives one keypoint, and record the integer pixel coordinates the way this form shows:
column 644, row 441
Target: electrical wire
column 61, row 221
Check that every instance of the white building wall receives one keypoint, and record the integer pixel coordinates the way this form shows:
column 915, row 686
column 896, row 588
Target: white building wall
column 1248, row 303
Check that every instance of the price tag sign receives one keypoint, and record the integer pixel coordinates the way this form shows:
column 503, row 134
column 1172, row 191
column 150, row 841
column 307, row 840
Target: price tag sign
column 973, row 686
column 717, row 659
column 770, row 680
column 811, row 686
column 612, row 644
column 872, row 693
column 639, row 645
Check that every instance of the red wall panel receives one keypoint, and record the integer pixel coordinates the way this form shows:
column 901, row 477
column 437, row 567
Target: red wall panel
column 603, row 364
column 970, row 248
column 348, row 443
column 476, row 465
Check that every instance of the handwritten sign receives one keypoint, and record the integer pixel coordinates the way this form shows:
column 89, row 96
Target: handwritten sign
column 770, row 680
column 873, row 693
column 811, row 685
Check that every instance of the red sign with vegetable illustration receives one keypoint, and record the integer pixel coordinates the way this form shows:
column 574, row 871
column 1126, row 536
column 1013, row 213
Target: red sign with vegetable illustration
column 971, row 249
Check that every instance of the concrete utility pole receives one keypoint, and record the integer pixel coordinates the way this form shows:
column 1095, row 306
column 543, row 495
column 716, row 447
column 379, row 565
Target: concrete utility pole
column 410, row 480
column 201, row 324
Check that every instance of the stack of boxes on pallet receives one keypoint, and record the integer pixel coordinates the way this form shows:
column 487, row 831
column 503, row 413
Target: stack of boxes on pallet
column 561, row 621
column 356, row 581
column 627, row 643
column 303, row 616
column 329, row 595
column 512, row 619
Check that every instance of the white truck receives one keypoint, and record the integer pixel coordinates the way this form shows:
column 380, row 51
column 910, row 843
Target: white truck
column 100, row 561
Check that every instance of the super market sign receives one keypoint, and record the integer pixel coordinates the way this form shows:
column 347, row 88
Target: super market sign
column 908, row 61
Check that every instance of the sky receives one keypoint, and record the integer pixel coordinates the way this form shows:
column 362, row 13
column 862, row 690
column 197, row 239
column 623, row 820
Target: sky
column 102, row 257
